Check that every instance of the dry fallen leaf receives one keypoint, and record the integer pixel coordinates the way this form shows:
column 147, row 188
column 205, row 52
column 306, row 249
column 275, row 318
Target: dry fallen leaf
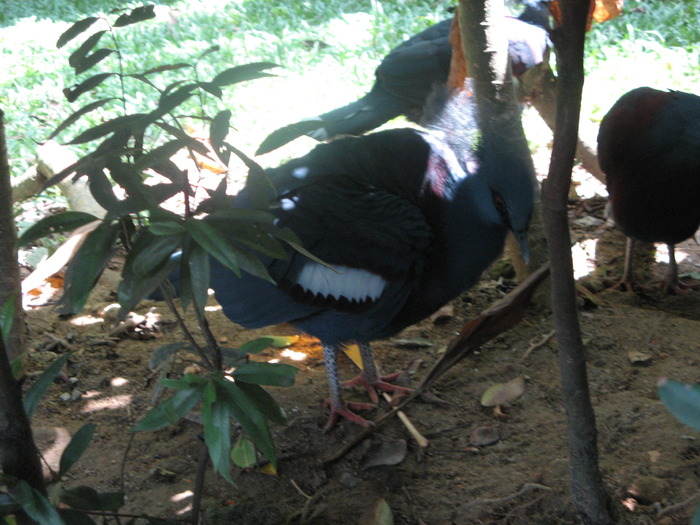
column 484, row 436
column 638, row 358
column 377, row 514
column 503, row 393
column 385, row 452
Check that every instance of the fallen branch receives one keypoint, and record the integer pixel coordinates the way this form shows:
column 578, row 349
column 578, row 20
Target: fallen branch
column 419, row 438
column 538, row 344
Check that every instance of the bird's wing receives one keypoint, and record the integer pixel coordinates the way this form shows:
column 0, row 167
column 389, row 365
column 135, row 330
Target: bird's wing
column 410, row 71
column 369, row 238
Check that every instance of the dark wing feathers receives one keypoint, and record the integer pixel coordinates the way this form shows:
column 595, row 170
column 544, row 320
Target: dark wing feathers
column 351, row 226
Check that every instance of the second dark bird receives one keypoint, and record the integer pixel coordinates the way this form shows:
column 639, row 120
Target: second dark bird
column 407, row 219
column 649, row 149
column 408, row 74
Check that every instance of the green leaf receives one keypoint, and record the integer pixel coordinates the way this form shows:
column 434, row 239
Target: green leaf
column 282, row 341
column 186, row 381
column 148, row 264
column 216, row 420
column 162, row 153
column 35, row 504
column 249, row 234
column 198, row 265
column 682, row 400
column 82, row 111
column 214, row 242
column 270, row 374
column 264, row 402
column 75, row 449
column 75, row 30
column 170, row 101
column 167, row 228
column 7, row 317
column 208, row 51
column 123, row 123
column 218, row 130
column 72, row 93
column 180, row 134
column 38, row 389
column 232, row 356
column 243, row 453
column 79, row 55
column 171, row 410
column 250, row 418
column 91, row 60
column 242, row 73
column 211, row 89
column 166, row 67
column 147, row 257
column 61, row 222
column 282, row 136
column 7, row 505
column 138, row 14
column 164, row 352
column 255, row 346
column 86, row 267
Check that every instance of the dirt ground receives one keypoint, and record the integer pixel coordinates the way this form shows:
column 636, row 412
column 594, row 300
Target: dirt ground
column 650, row 462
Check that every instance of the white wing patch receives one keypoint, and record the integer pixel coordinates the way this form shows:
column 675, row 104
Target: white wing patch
column 341, row 281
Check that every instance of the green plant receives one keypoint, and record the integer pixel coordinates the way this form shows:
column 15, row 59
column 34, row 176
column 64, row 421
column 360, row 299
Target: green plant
column 135, row 142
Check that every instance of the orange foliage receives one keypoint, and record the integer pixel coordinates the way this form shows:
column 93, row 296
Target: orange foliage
column 601, row 10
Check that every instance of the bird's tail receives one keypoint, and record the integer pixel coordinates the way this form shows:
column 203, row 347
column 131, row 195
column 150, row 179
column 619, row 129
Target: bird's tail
column 367, row 113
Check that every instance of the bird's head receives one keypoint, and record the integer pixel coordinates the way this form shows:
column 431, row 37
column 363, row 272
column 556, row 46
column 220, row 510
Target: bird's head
column 506, row 167
column 489, row 145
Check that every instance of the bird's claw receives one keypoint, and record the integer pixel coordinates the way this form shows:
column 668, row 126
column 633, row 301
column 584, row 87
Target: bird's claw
column 346, row 411
column 380, row 384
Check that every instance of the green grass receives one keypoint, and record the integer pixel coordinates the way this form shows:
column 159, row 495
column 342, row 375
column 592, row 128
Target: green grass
column 328, row 51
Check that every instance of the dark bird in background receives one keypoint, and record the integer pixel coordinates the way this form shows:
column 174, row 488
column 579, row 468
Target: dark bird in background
column 407, row 75
column 649, row 149
column 407, row 219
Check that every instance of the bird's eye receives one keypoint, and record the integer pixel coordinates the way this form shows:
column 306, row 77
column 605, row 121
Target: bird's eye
column 499, row 202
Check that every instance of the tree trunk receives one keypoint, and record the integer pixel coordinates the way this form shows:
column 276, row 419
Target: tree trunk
column 485, row 48
column 18, row 453
column 9, row 270
column 590, row 497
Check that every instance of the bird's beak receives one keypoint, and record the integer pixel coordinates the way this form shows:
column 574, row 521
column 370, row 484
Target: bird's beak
column 521, row 237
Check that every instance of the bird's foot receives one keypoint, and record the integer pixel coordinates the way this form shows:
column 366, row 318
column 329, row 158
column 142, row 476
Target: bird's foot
column 625, row 285
column 382, row 383
column 346, row 411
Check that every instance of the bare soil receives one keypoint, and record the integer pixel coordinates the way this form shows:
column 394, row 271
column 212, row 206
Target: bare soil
column 650, row 462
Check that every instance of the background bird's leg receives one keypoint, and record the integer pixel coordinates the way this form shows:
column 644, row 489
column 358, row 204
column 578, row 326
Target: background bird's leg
column 672, row 277
column 626, row 282
column 371, row 380
column 335, row 403
column 672, row 284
